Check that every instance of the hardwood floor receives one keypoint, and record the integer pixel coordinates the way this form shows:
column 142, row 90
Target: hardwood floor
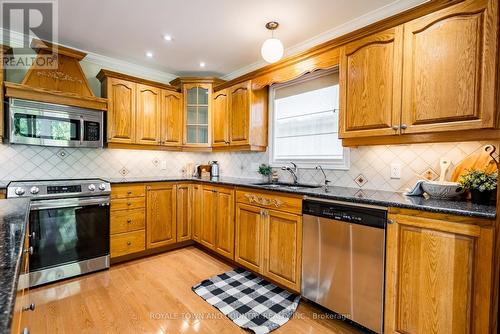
column 151, row 295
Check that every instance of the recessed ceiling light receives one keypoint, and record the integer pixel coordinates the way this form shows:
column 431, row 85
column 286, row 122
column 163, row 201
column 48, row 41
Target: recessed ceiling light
column 149, row 54
column 202, row 64
column 168, row 38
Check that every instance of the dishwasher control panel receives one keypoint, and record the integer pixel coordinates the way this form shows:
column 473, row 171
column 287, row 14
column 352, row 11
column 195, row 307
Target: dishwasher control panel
column 347, row 213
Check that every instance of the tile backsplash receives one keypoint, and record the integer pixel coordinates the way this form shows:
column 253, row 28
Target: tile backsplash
column 371, row 165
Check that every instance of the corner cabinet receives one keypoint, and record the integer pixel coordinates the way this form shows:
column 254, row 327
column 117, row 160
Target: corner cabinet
column 240, row 118
column 438, row 273
column 422, row 80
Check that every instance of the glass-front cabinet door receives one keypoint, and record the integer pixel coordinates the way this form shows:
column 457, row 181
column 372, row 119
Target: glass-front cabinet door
column 197, row 119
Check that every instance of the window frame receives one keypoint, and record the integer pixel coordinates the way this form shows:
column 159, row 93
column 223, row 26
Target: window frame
column 333, row 164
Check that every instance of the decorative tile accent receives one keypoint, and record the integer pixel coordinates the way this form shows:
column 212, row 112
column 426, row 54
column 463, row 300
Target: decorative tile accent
column 124, row 171
column 62, row 153
column 156, row 162
column 360, row 180
column 429, row 174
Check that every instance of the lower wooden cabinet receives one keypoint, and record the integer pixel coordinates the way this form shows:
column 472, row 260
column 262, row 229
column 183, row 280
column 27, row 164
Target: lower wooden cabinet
column 269, row 241
column 208, row 216
column 127, row 243
column 161, row 219
column 438, row 274
column 184, row 215
column 196, row 210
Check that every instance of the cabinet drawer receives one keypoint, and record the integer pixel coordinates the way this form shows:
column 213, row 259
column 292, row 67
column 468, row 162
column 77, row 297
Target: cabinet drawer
column 127, row 220
column 128, row 203
column 128, row 190
column 127, row 243
column 271, row 201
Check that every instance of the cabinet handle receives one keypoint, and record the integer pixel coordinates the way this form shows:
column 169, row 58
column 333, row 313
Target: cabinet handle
column 25, row 331
column 390, row 221
column 32, row 235
column 129, row 193
column 129, row 243
column 129, row 221
column 29, row 250
column 395, row 127
column 404, row 126
column 30, row 307
column 129, row 204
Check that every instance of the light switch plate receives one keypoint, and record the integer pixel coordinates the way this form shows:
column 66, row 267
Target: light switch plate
column 395, row 171
column 164, row 164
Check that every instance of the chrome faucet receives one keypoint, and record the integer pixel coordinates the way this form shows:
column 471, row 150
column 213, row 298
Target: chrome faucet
column 292, row 170
column 324, row 175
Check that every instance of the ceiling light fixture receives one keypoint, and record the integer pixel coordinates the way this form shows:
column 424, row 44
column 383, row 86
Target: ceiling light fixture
column 272, row 49
column 202, row 64
column 149, row 54
column 168, row 38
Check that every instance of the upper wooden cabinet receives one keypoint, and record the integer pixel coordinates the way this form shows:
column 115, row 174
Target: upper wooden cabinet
column 438, row 273
column 171, row 118
column 121, row 114
column 220, row 119
column 449, row 66
column 161, row 219
column 148, row 125
column 240, row 118
column 370, row 81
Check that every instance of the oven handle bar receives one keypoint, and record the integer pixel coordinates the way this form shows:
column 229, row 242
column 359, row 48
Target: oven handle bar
column 69, row 202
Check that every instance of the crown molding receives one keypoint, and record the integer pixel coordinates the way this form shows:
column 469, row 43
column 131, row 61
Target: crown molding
column 378, row 14
column 105, row 62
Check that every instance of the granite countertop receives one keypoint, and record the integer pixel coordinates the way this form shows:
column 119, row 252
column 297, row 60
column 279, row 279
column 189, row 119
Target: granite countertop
column 353, row 195
column 13, row 221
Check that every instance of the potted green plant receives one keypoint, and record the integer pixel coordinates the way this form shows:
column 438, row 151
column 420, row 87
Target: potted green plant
column 482, row 185
column 266, row 171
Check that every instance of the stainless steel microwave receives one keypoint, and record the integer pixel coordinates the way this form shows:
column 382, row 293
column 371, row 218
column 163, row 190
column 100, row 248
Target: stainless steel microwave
column 46, row 124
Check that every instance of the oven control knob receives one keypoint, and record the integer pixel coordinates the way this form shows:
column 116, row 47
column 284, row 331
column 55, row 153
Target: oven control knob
column 91, row 187
column 19, row 191
column 34, row 190
column 102, row 187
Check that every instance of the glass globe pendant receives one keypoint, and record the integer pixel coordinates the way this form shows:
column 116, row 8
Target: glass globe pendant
column 272, row 49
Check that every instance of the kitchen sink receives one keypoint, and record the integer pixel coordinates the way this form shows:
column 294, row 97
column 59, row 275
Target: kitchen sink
column 288, row 185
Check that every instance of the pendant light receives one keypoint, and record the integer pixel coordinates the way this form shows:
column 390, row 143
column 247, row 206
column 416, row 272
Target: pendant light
column 272, row 48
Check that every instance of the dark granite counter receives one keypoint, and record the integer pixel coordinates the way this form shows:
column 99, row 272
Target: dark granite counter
column 353, row 195
column 13, row 220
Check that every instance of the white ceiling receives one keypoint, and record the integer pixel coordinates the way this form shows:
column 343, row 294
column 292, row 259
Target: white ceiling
column 225, row 34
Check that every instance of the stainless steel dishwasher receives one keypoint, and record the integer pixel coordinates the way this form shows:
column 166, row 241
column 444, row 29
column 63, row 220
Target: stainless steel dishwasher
column 343, row 263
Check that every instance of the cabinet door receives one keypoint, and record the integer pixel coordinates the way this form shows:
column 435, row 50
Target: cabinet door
column 171, row 118
column 121, row 112
column 197, row 119
column 220, row 119
column 161, row 215
column 239, row 111
column 434, row 271
column 184, row 217
column 370, row 85
column 208, row 218
column 283, row 248
column 248, row 237
column 196, row 209
column 148, row 115
column 449, row 68
column 224, row 238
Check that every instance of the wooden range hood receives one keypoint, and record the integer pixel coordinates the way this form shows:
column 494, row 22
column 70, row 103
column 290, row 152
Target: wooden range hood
column 64, row 84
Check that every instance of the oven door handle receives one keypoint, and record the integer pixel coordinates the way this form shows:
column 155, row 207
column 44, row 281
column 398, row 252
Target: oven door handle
column 69, row 203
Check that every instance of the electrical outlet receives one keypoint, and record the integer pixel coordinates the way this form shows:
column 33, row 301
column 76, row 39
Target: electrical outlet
column 164, row 164
column 395, row 171
column 254, row 165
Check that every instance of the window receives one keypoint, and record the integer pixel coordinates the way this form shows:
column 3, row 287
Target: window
column 304, row 122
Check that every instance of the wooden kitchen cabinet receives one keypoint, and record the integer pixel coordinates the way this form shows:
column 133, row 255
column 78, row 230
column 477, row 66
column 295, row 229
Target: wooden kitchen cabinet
column 240, row 118
column 449, row 66
column 208, row 216
column 224, row 222
column 171, row 118
column 370, row 81
column 161, row 215
column 148, row 125
column 249, row 236
column 184, row 214
column 121, row 115
column 220, row 119
column 283, row 248
column 196, row 210
column 438, row 273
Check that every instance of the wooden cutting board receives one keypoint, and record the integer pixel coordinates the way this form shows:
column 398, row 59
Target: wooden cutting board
column 482, row 160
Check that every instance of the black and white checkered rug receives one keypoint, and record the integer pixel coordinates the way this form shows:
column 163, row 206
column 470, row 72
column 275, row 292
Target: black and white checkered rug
column 249, row 301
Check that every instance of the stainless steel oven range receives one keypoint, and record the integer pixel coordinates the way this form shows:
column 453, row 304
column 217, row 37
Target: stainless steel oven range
column 68, row 227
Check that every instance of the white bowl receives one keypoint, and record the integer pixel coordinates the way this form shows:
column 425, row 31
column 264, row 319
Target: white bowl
column 443, row 190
